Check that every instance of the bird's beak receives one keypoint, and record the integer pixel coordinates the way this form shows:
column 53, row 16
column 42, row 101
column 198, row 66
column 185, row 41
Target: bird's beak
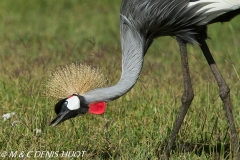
column 62, row 116
column 65, row 115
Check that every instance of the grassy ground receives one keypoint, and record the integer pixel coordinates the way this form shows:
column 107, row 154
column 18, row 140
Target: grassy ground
column 37, row 36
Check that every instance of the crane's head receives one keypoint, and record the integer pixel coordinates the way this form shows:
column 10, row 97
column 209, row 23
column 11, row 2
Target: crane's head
column 68, row 83
column 73, row 106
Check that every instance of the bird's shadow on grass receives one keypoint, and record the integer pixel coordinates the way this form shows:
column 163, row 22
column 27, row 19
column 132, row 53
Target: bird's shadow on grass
column 104, row 154
column 217, row 151
column 198, row 149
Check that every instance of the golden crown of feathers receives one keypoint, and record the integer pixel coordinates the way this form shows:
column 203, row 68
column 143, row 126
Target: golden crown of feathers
column 75, row 78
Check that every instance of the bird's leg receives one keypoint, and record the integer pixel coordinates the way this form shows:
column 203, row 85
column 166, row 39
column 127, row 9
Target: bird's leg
column 187, row 96
column 224, row 93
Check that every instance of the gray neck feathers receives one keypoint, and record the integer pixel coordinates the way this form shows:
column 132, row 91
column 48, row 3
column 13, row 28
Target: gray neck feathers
column 132, row 61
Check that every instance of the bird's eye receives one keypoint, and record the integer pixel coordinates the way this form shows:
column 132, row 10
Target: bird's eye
column 65, row 104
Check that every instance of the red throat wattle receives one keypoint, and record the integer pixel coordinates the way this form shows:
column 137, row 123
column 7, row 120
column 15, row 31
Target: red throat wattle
column 97, row 107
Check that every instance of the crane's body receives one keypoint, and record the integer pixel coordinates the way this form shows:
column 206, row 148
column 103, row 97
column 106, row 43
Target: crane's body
column 141, row 21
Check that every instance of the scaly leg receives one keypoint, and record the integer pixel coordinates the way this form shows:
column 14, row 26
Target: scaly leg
column 187, row 96
column 224, row 93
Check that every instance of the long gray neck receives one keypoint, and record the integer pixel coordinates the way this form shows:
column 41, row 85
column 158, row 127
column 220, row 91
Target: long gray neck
column 132, row 61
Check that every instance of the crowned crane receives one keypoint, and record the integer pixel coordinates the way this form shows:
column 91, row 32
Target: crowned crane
column 141, row 21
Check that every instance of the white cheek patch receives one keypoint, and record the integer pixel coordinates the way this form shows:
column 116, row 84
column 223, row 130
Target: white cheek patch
column 73, row 103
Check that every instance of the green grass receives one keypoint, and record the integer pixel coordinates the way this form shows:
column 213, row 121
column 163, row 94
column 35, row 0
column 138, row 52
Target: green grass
column 38, row 36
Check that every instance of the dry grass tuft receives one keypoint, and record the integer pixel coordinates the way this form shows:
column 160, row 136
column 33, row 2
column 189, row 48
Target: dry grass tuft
column 75, row 78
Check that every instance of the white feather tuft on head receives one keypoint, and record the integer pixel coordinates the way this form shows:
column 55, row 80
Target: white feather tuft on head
column 75, row 78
